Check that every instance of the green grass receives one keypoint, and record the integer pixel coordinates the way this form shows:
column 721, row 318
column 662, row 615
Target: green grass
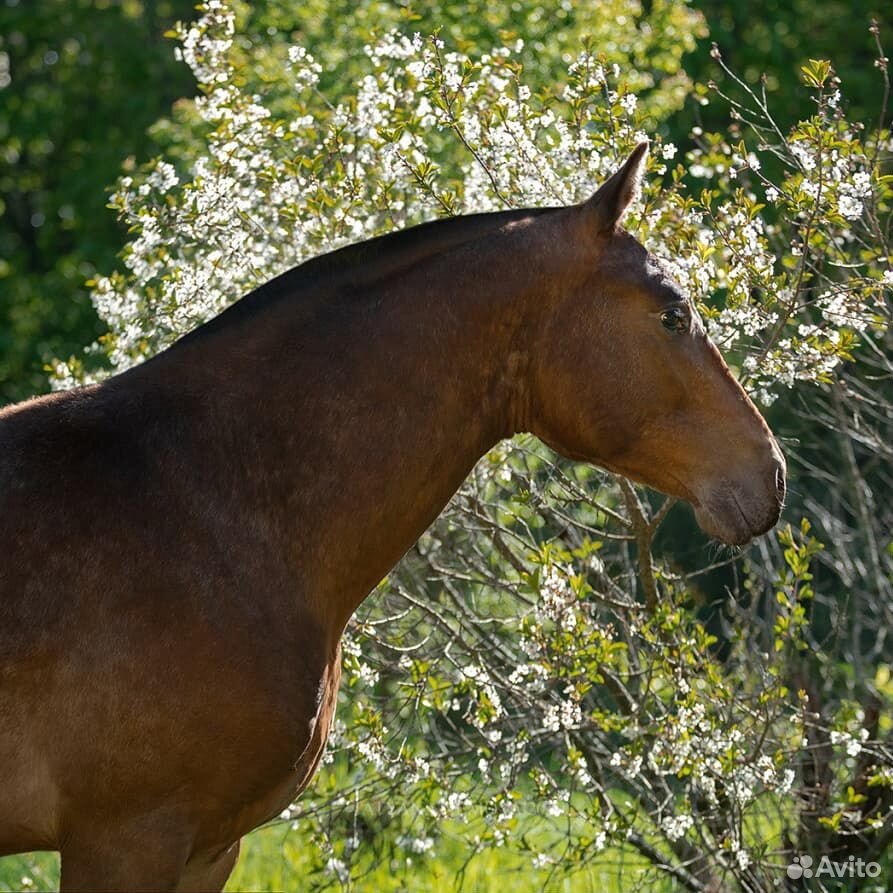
column 278, row 858
column 34, row 871
column 281, row 859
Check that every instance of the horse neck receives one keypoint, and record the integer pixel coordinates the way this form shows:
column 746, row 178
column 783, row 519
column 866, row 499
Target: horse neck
column 360, row 417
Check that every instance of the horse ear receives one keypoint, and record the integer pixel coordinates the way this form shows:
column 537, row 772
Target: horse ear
column 606, row 208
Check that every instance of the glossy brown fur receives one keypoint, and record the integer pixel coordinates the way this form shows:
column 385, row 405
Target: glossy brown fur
column 183, row 544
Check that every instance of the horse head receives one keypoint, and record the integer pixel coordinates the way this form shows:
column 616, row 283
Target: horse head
column 627, row 378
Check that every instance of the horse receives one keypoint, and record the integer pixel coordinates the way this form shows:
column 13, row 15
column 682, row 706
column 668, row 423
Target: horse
column 184, row 542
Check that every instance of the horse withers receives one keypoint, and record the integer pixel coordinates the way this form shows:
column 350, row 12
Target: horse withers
column 183, row 544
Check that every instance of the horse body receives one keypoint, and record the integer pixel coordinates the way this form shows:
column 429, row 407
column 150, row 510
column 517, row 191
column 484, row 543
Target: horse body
column 184, row 543
column 188, row 540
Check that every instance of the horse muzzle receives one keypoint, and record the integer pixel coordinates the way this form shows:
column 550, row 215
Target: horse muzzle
column 737, row 509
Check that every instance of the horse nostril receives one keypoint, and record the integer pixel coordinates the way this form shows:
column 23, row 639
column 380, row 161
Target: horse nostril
column 780, row 483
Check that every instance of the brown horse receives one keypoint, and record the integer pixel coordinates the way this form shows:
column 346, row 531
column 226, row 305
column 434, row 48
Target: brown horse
column 184, row 543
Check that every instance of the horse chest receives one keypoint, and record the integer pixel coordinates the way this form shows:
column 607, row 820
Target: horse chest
column 302, row 748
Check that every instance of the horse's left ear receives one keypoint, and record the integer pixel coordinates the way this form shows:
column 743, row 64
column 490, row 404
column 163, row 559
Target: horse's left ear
column 606, row 208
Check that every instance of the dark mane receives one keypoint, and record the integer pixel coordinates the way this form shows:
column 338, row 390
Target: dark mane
column 365, row 263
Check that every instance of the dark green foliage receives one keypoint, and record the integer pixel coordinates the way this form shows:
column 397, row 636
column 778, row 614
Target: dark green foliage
column 776, row 37
column 86, row 79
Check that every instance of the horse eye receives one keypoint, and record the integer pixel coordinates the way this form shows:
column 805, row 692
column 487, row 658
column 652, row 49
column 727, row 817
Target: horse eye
column 674, row 320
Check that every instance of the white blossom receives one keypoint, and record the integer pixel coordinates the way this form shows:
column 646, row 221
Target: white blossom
column 675, row 827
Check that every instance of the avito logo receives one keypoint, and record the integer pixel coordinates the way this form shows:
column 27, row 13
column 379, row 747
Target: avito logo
column 806, row 867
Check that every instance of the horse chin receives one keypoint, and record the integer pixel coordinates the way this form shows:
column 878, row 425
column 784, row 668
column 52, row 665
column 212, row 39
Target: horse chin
column 733, row 530
column 724, row 517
